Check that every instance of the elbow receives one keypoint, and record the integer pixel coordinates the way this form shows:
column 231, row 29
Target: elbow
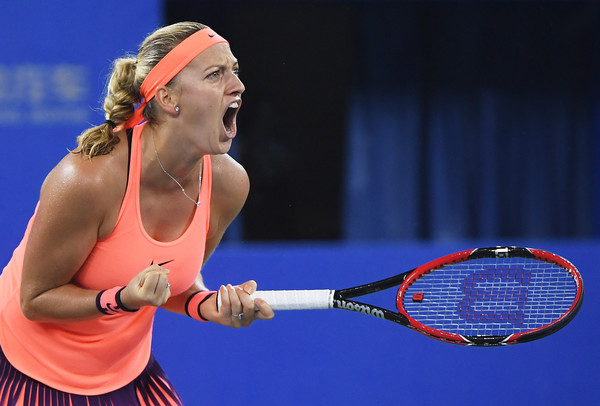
column 28, row 309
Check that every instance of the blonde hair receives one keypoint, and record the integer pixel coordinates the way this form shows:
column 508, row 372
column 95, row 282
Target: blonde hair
column 123, row 90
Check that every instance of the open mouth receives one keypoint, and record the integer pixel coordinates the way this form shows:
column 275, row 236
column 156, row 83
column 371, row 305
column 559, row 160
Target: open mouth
column 229, row 119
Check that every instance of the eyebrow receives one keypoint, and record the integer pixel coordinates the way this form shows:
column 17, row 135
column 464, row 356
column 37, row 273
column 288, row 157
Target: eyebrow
column 224, row 66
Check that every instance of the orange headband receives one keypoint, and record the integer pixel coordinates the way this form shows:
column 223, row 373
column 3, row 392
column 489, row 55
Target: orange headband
column 171, row 65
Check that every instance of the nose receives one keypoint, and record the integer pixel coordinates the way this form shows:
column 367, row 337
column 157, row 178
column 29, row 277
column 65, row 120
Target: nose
column 236, row 86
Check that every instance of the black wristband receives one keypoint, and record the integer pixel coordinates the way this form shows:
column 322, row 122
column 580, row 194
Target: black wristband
column 120, row 303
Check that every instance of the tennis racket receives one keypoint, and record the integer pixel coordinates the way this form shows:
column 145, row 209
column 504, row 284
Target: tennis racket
column 479, row 297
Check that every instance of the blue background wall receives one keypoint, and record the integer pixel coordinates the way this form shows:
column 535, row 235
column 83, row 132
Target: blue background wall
column 53, row 65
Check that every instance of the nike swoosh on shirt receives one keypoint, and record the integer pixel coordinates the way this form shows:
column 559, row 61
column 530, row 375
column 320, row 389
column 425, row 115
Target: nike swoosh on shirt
column 162, row 263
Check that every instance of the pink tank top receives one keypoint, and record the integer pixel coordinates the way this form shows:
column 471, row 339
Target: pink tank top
column 104, row 354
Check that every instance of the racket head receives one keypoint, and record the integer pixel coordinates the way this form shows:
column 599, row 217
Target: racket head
column 491, row 296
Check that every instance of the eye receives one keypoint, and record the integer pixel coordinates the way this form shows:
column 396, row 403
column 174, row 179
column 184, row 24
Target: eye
column 214, row 75
column 236, row 72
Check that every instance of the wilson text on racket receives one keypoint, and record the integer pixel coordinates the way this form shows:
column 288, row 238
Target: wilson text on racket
column 342, row 304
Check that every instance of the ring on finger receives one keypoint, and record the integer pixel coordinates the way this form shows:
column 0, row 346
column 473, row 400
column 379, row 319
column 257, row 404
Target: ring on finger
column 238, row 316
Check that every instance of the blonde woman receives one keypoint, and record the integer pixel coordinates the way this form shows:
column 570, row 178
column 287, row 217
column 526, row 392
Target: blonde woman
column 123, row 225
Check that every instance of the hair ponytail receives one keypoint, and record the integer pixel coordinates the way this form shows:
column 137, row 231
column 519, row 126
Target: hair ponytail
column 118, row 106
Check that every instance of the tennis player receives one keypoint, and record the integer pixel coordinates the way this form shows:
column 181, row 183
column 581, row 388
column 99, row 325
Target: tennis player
column 123, row 225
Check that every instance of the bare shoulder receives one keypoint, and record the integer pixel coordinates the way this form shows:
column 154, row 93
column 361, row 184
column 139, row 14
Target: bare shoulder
column 80, row 176
column 229, row 192
column 230, row 180
column 83, row 187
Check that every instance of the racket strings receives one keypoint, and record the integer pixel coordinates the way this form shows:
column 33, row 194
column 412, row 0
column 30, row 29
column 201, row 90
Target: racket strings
column 491, row 296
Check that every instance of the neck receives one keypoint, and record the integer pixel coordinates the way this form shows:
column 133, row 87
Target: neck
column 167, row 151
column 168, row 172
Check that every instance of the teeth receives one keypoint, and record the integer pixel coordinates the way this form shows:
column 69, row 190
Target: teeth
column 233, row 105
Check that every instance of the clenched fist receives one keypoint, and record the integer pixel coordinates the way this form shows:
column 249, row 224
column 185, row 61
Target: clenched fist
column 149, row 288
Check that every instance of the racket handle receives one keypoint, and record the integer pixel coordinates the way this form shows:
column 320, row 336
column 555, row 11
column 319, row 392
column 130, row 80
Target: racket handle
column 296, row 299
column 293, row 299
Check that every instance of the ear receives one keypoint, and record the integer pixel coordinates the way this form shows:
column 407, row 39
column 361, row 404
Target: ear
column 168, row 99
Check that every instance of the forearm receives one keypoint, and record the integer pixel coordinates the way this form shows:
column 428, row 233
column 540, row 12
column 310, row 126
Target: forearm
column 69, row 302
column 180, row 304
column 176, row 304
column 64, row 303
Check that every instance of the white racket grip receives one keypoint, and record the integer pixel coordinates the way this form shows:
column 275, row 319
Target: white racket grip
column 296, row 299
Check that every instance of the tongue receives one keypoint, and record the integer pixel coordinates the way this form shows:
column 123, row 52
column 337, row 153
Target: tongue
column 230, row 131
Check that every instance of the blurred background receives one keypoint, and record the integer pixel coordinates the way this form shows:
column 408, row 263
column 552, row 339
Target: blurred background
column 378, row 135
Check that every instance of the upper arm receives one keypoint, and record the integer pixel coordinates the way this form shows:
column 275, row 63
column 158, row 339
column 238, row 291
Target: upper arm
column 72, row 207
column 230, row 190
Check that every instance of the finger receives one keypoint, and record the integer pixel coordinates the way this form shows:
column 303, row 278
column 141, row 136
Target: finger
column 225, row 308
column 155, row 287
column 164, row 288
column 238, row 319
column 234, row 301
column 150, row 270
column 149, row 282
column 162, row 283
column 265, row 312
column 249, row 287
column 167, row 293
column 247, row 305
column 156, row 268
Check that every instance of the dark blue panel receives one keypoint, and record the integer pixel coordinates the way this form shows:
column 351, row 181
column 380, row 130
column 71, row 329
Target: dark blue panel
column 474, row 120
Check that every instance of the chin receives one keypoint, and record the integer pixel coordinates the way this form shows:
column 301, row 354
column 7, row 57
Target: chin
column 223, row 147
